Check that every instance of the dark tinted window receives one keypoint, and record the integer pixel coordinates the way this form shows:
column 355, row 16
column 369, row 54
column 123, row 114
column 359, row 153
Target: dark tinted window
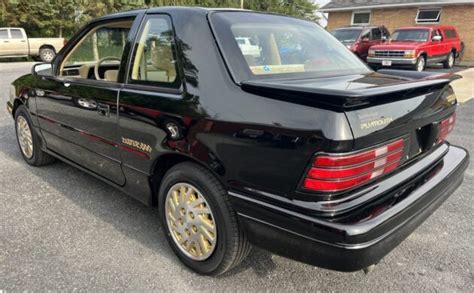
column 376, row 34
column 3, row 34
column 450, row 34
column 16, row 34
column 417, row 35
column 347, row 35
column 361, row 18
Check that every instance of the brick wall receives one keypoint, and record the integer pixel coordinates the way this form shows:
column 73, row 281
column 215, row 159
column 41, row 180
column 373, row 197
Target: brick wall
column 461, row 16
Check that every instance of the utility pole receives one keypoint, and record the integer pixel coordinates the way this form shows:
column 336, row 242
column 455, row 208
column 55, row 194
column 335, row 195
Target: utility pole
column 241, row 4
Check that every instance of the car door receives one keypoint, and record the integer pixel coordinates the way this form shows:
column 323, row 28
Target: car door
column 436, row 46
column 365, row 43
column 4, row 42
column 77, row 109
column 18, row 42
column 152, row 107
column 375, row 37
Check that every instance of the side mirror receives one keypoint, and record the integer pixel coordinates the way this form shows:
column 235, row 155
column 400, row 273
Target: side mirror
column 42, row 69
column 436, row 38
column 365, row 40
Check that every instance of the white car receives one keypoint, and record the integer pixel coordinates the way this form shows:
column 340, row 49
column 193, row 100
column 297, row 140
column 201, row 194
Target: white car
column 247, row 47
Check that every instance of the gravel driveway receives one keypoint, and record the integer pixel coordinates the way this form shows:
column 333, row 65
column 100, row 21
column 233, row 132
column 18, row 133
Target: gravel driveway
column 63, row 229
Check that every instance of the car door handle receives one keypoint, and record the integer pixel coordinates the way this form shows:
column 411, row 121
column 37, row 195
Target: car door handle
column 103, row 109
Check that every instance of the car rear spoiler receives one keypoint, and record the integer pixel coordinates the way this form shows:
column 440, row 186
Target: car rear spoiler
column 411, row 84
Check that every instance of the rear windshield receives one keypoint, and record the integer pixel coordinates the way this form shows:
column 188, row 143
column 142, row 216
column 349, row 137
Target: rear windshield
column 420, row 35
column 258, row 46
column 347, row 35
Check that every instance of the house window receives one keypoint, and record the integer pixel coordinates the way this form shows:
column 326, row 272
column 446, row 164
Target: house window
column 428, row 15
column 361, row 17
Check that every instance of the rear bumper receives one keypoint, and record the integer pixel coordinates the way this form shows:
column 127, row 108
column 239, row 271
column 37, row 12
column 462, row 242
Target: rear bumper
column 363, row 235
column 395, row 61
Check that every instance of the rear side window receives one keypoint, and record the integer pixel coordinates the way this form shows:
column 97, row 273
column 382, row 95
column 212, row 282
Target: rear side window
column 154, row 57
column 16, row 34
column 284, row 47
column 450, row 34
column 3, row 34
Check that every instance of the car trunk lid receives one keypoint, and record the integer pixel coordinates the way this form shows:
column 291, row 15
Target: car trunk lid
column 379, row 106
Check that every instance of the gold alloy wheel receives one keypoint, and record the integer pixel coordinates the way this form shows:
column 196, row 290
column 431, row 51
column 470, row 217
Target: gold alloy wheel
column 190, row 221
column 25, row 137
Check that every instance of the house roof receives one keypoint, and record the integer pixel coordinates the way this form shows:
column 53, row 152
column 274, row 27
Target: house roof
column 341, row 5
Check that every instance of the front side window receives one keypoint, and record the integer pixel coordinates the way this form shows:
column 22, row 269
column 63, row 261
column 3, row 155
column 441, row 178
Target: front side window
column 154, row 60
column 415, row 35
column 361, row 17
column 437, row 33
column 100, row 48
column 283, row 46
column 3, row 34
column 16, row 34
column 428, row 16
column 376, row 34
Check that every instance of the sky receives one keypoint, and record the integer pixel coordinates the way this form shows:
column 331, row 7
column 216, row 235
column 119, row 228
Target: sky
column 322, row 20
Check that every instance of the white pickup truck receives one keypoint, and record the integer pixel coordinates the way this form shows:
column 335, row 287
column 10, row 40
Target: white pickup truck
column 15, row 43
column 247, row 47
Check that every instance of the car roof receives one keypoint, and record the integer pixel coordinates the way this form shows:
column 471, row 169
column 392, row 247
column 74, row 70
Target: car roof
column 435, row 26
column 358, row 27
column 171, row 9
column 192, row 8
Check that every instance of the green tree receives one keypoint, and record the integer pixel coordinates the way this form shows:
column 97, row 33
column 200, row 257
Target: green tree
column 64, row 17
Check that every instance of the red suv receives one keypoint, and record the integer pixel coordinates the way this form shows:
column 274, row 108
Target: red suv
column 359, row 39
column 416, row 47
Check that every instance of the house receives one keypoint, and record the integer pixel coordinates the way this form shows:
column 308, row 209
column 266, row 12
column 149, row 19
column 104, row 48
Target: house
column 398, row 13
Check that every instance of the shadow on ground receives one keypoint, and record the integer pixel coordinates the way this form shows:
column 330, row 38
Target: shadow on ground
column 108, row 204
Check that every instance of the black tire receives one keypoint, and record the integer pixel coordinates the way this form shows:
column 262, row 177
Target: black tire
column 231, row 246
column 420, row 64
column 39, row 157
column 374, row 66
column 449, row 63
column 47, row 54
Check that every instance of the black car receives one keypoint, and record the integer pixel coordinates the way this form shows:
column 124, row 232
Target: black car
column 295, row 146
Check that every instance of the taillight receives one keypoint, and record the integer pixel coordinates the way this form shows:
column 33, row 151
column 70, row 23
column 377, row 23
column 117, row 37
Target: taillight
column 337, row 172
column 445, row 127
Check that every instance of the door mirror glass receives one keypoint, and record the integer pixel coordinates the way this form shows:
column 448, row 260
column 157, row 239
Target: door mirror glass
column 436, row 38
column 42, row 69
